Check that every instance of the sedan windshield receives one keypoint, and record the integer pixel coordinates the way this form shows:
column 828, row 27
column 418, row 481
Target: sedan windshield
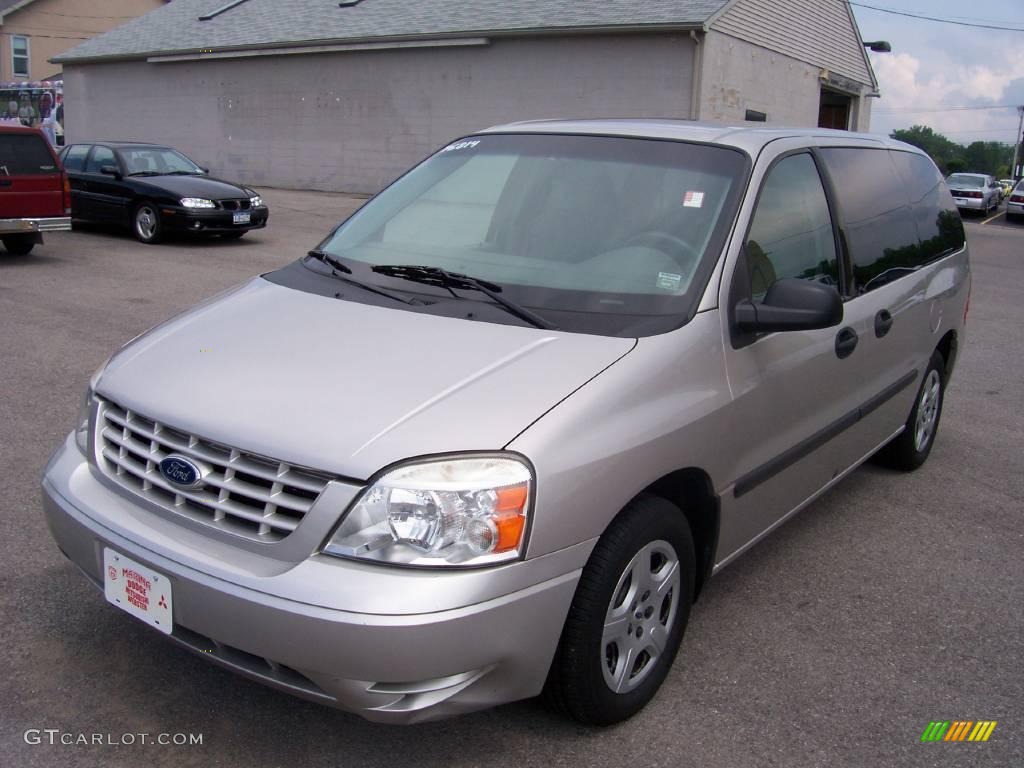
column 966, row 181
column 575, row 224
column 156, row 160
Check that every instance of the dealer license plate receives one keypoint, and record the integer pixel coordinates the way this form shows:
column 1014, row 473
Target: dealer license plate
column 242, row 218
column 139, row 590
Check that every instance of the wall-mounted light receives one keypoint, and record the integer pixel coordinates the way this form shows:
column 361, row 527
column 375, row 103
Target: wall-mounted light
column 879, row 46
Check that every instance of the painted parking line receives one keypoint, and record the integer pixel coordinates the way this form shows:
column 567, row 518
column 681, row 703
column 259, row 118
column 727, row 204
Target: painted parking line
column 986, row 221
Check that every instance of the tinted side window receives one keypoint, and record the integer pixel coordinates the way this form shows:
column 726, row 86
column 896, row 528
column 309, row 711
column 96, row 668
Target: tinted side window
column 879, row 222
column 791, row 233
column 24, row 154
column 100, row 156
column 939, row 227
column 74, row 158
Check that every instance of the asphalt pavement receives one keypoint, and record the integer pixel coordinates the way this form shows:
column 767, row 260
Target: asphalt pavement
column 893, row 601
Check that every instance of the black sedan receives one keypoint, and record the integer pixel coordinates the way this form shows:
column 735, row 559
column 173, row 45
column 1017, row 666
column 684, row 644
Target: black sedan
column 156, row 190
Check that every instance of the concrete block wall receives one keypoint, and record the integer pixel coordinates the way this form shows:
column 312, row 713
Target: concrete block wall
column 738, row 76
column 353, row 121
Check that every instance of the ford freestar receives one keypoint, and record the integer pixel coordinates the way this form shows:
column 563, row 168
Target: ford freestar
column 493, row 436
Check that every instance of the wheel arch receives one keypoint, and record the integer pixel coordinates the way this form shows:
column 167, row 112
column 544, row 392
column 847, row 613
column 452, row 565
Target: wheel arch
column 948, row 348
column 692, row 491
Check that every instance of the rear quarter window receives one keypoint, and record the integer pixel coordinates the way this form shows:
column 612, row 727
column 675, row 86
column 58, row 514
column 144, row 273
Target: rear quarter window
column 74, row 157
column 939, row 226
column 25, row 154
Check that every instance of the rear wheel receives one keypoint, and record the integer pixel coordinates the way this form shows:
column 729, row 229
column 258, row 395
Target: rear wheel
column 146, row 224
column 627, row 617
column 19, row 245
column 913, row 445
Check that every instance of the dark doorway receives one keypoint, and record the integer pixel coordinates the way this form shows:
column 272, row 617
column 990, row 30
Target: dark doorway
column 834, row 111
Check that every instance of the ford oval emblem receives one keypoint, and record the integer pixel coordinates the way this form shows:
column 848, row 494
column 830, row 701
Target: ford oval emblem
column 182, row 472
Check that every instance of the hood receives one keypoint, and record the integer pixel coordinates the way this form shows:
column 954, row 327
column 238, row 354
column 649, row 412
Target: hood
column 345, row 387
column 195, row 186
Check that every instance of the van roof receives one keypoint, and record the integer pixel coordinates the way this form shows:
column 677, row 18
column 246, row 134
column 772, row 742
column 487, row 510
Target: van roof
column 750, row 139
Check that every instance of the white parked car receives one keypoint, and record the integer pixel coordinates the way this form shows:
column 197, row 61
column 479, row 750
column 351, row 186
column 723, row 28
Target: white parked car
column 975, row 191
column 1015, row 203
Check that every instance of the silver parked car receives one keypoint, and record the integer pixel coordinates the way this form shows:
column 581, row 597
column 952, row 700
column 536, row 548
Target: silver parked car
column 975, row 191
column 1015, row 203
column 494, row 435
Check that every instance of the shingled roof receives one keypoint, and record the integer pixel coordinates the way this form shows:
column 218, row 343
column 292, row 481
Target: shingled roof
column 176, row 28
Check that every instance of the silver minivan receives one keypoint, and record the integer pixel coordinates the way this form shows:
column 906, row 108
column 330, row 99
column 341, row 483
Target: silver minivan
column 493, row 436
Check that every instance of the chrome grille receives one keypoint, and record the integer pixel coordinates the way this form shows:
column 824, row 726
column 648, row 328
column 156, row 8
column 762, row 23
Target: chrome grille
column 243, row 493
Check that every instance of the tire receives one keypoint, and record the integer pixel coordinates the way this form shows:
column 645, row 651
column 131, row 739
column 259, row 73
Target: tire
column 146, row 224
column 19, row 245
column 233, row 235
column 914, row 444
column 631, row 564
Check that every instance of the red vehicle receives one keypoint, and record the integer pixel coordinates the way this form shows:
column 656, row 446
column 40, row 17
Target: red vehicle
column 35, row 195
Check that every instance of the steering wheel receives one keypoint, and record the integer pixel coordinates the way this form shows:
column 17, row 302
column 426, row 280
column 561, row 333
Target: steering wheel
column 669, row 244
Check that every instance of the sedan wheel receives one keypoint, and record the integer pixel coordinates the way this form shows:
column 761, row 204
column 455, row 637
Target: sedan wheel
column 147, row 225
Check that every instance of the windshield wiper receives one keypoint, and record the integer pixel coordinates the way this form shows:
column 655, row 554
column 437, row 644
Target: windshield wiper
column 145, row 173
column 340, row 271
column 181, row 173
column 450, row 280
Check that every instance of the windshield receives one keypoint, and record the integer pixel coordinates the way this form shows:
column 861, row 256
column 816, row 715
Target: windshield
column 156, row 160
column 562, row 223
column 966, row 181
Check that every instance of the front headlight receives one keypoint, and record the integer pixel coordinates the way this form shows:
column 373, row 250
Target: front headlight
column 256, row 201
column 445, row 512
column 197, row 202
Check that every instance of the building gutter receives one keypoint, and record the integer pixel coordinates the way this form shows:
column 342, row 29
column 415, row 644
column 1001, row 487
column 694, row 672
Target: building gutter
column 380, row 43
column 698, row 72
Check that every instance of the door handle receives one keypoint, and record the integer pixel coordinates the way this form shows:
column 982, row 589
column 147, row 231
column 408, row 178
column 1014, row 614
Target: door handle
column 846, row 342
column 883, row 322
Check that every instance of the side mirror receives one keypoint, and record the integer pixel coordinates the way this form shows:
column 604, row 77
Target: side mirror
column 204, row 169
column 110, row 170
column 791, row 304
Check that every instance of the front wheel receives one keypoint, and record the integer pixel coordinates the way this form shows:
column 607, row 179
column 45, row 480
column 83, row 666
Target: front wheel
column 146, row 224
column 627, row 617
column 914, row 444
column 19, row 245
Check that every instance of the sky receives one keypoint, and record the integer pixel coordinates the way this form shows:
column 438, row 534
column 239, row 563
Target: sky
column 936, row 66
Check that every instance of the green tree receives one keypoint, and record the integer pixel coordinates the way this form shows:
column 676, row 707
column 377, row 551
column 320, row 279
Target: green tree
column 991, row 157
column 939, row 148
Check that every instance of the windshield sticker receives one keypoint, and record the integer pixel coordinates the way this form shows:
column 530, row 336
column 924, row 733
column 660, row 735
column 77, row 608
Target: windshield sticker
column 693, row 200
column 669, row 282
column 460, row 145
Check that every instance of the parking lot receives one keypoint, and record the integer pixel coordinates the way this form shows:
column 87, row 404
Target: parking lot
column 892, row 601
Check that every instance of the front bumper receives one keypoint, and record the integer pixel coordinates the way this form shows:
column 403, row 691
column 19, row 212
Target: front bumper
column 29, row 226
column 396, row 667
column 179, row 219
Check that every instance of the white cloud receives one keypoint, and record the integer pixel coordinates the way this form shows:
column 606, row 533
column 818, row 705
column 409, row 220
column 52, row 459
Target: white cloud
column 909, row 84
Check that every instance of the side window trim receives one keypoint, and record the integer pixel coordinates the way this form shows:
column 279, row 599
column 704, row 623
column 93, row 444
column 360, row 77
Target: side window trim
column 739, row 285
column 845, row 261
